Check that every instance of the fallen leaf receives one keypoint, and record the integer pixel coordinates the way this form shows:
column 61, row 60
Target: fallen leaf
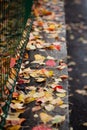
column 47, row 73
column 85, row 124
column 45, row 117
column 61, row 90
column 51, row 27
column 17, row 106
column 61, row 94
column 21, row 97
column 59, row 87
column 15, row 95
column 64, row 106
column 12, row 62
column 36, row 108
column 41, row 127
column 57, row 101
column 16, row 127
column 26, row 56
column 14, row 121
column 64, row 77
column 49, row 107
column 58, row 119
column 50, row 57
column 51, row 63
column 39, row 57
column 54, row 47
column 40, row 79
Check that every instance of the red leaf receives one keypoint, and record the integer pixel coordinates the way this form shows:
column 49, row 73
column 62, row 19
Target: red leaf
column 41, row 127
column 50, row 63
column 58, row 47
column 59, row 87
column 20, row 81
column 12, row 62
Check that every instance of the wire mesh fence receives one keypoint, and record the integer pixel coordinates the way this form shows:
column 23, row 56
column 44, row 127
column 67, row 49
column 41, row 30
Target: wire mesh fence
column 14, row 35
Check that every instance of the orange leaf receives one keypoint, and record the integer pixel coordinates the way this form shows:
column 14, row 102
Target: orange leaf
column 12, row 62
column 51, row 27
column 40, row 23
column 15, row 95
column 36, row 12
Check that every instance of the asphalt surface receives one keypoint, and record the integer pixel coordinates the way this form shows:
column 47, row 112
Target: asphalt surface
column 76, row 20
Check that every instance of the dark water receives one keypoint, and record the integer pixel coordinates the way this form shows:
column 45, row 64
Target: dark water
column 76, row 20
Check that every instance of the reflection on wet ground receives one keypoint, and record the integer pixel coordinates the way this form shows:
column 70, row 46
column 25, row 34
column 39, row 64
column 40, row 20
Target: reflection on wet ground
column 76, row 20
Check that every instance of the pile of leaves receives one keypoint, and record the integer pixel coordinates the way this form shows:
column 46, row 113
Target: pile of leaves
column 40, row 97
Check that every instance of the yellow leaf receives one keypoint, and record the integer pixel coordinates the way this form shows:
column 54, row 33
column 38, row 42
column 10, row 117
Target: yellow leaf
column 57, row 101
column 29, row 99
column 45, row 117
column 21, row 97
column 47, row 73
column 39, row 57
column 61, row 95
column 16, row 127
column 40, row 79
column 51, row 27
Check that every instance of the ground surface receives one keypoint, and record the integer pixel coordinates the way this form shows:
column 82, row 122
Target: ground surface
column 39, row 101
column 76, row 19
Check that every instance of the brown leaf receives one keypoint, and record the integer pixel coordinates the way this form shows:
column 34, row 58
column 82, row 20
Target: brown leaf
column 36, row 108
column 64, row 77
column 16, row 127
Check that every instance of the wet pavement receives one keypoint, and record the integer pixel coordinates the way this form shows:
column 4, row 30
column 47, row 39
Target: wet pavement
column 76, row 20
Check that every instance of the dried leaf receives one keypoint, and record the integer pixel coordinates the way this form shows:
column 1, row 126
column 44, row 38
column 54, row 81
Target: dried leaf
column 57, row 101
column 12, row 62
column 85, row 124
column 58, row 87
column 61, row 94
column 49, row 107
column 14, row 121
column 16, row 127
column 39, row 57
column 26, row 56
column 17, row 106
column 21, row 97
column 40, row 79
column 47, row 73
column 64, row 106
column 36, row 108
column 50, row 57
column 38, row 95
column 64, row 77
column 15, row 94
column 58, row 119
column 51, row 27
column 45, row 117
column 51, row 63
column 41, row 127
column 61, row 90
column 55, row 47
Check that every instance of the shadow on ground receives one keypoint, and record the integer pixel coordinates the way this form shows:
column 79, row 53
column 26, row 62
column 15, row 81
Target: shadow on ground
column 76, row 20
